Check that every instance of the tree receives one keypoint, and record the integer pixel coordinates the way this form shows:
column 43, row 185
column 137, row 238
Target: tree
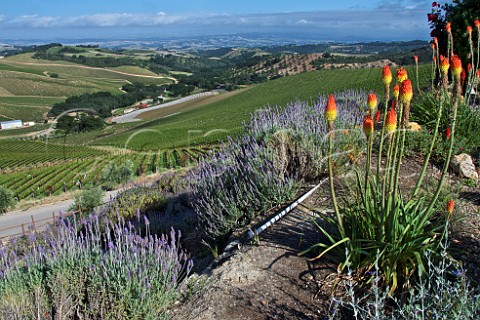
column 7, row 199
column 460, row 13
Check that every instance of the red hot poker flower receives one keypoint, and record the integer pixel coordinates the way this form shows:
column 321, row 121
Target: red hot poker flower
column 391, row 122
column 331, row 109
column 477, row 23
column 396, row 90
column 450, row 206
column 377, row 116
column 444, row 65
column 469, row 29
column 406, row 91
column 372, row 102
column 415, row 58
column 386, row 75
column 368, row 126
column 448, row 27
column 456, row 64
column 401, row 75
column 448, row 132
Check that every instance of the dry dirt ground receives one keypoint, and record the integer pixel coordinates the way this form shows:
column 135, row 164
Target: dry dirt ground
column 268, row 280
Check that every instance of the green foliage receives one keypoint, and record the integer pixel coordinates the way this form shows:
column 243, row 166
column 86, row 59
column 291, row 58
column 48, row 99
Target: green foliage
column 377, row 225
column 130, row 203
column 443, row 293
column 88, row 200
column 104, row 102
column 114, row 173
column 425, row 112
column 212, row 121
column 7, row 199
column 83, row 122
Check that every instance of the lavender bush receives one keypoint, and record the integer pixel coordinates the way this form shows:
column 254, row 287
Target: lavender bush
column 280, row 148
column 76, row 271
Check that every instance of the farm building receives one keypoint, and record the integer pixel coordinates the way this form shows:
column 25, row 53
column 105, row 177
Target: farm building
column 11, row 124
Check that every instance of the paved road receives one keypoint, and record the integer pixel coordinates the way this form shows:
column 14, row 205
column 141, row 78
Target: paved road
column 14, row 219
column 131, row 117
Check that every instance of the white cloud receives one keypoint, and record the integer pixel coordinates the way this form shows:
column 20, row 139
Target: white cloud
column 391, row 17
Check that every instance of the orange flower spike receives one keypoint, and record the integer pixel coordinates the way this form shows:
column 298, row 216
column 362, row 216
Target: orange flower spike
column 469, row 29
column 368, row 126
column 391, row 122
column 444, row 65
column 331, row 109
column 477, row 23
column 477, row 73
column 448, row 133
column 448, row 27
column 377, row 116
column 386, row 75
column 406, row 91
column 435, row 40
column 450, row 206
column 415, row 58
column 396, row 91
column 401, row 75
column 456, row 65
column 372, row 102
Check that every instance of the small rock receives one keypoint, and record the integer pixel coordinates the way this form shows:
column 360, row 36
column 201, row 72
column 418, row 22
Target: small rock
column 414, row 126
column 464, row 167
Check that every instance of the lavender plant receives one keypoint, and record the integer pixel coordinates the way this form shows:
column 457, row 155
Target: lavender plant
column 76, row 271
column 264, row 168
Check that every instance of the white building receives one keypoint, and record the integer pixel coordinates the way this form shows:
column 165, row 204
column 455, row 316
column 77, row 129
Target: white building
column 11, row 124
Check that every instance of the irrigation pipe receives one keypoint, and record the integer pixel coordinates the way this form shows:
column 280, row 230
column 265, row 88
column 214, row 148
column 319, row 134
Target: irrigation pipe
column 251, row 233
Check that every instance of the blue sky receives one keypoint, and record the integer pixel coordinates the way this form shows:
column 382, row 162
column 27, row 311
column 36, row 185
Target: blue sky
column 372, row 19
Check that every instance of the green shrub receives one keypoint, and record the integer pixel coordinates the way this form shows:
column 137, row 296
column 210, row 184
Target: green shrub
column 88, row 200
column 128, row 204
column 114, row 174
column 7, row 199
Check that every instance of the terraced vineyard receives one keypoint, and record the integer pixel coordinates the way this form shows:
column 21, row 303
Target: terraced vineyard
column 40, row 170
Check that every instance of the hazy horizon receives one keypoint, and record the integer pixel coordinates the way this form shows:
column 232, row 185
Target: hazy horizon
column 330, row 20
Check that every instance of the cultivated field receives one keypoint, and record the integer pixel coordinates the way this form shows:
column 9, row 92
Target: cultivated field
column 215, row 121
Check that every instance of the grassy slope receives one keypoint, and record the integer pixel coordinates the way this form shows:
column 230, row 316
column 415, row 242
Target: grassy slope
column 26, row 90
column 227, row 115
